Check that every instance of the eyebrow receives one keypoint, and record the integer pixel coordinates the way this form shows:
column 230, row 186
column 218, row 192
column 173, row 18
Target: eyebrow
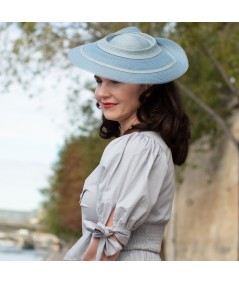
column 102, row 78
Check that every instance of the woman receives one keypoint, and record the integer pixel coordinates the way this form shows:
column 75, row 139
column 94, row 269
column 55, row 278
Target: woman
column 126, row 202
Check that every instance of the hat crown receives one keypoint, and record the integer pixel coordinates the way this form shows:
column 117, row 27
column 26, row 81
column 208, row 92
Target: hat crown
column 134, row 45
column 132, row 41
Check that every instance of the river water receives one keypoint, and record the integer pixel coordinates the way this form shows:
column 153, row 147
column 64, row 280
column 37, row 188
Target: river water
column 14, row 253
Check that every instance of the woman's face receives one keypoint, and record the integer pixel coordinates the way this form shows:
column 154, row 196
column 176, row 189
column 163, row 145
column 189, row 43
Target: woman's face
column 118, row 101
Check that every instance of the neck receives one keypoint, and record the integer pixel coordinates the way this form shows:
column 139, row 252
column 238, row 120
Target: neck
column 128, row 125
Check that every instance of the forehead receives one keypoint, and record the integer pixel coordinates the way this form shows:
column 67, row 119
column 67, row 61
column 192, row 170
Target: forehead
column 103, row 78
column 97, row 77
column 100, row 77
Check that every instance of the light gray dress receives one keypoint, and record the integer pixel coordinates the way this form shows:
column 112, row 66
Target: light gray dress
column 135, row 178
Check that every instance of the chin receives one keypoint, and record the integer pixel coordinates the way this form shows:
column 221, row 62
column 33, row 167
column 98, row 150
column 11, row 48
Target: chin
column 110, row 117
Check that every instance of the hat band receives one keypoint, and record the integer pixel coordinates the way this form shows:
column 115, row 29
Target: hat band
column 129, row 70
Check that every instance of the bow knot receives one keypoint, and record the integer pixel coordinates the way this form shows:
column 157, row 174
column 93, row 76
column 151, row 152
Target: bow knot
column 107, row 244
column 102, row 231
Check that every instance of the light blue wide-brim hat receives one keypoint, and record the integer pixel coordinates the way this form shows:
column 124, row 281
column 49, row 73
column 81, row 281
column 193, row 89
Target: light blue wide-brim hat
column 131, row 56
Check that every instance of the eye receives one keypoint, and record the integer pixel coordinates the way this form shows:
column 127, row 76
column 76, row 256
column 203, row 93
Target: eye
column 98, row 80
column 115, row 82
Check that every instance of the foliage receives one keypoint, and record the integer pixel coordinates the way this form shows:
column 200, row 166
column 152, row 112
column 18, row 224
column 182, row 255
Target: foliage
column 207, row 44
column 78, row 157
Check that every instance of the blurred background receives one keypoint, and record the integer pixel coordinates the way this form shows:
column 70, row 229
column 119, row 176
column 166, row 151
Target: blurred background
column 49, row 139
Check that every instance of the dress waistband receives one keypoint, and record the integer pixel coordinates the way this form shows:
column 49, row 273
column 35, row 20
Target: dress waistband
column 147, row 237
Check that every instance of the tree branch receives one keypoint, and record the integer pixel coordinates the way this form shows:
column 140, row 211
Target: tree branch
column 211, row 112
column 222, row 72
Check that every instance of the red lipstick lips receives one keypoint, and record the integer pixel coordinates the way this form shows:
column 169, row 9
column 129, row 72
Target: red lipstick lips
column 108, row 105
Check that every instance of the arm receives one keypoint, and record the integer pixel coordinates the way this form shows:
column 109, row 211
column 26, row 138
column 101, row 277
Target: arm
column 90, row 254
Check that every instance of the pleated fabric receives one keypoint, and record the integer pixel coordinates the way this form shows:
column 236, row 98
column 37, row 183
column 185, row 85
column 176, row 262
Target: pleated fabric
column 138, row 255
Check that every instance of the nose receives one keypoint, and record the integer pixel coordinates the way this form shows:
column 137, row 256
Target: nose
column 102, row 92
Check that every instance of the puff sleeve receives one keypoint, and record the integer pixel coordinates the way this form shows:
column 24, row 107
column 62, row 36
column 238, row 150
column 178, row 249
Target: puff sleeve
column 133, row 169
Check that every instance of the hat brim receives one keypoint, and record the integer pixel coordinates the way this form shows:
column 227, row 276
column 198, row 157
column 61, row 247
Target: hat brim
column 170, row 64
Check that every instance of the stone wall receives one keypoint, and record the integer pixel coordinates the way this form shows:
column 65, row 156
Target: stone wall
column 204, row 225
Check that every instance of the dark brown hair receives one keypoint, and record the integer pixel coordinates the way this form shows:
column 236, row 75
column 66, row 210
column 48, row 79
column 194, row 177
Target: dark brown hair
column 161, row 110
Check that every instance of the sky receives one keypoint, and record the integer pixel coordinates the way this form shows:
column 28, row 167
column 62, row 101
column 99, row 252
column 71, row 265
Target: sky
column 32, row 132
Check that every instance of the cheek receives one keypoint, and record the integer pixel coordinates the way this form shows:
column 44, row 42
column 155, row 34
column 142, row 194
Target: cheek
column 96, row 95
column 131, row 106
column 135, row 101
column 134, row 104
